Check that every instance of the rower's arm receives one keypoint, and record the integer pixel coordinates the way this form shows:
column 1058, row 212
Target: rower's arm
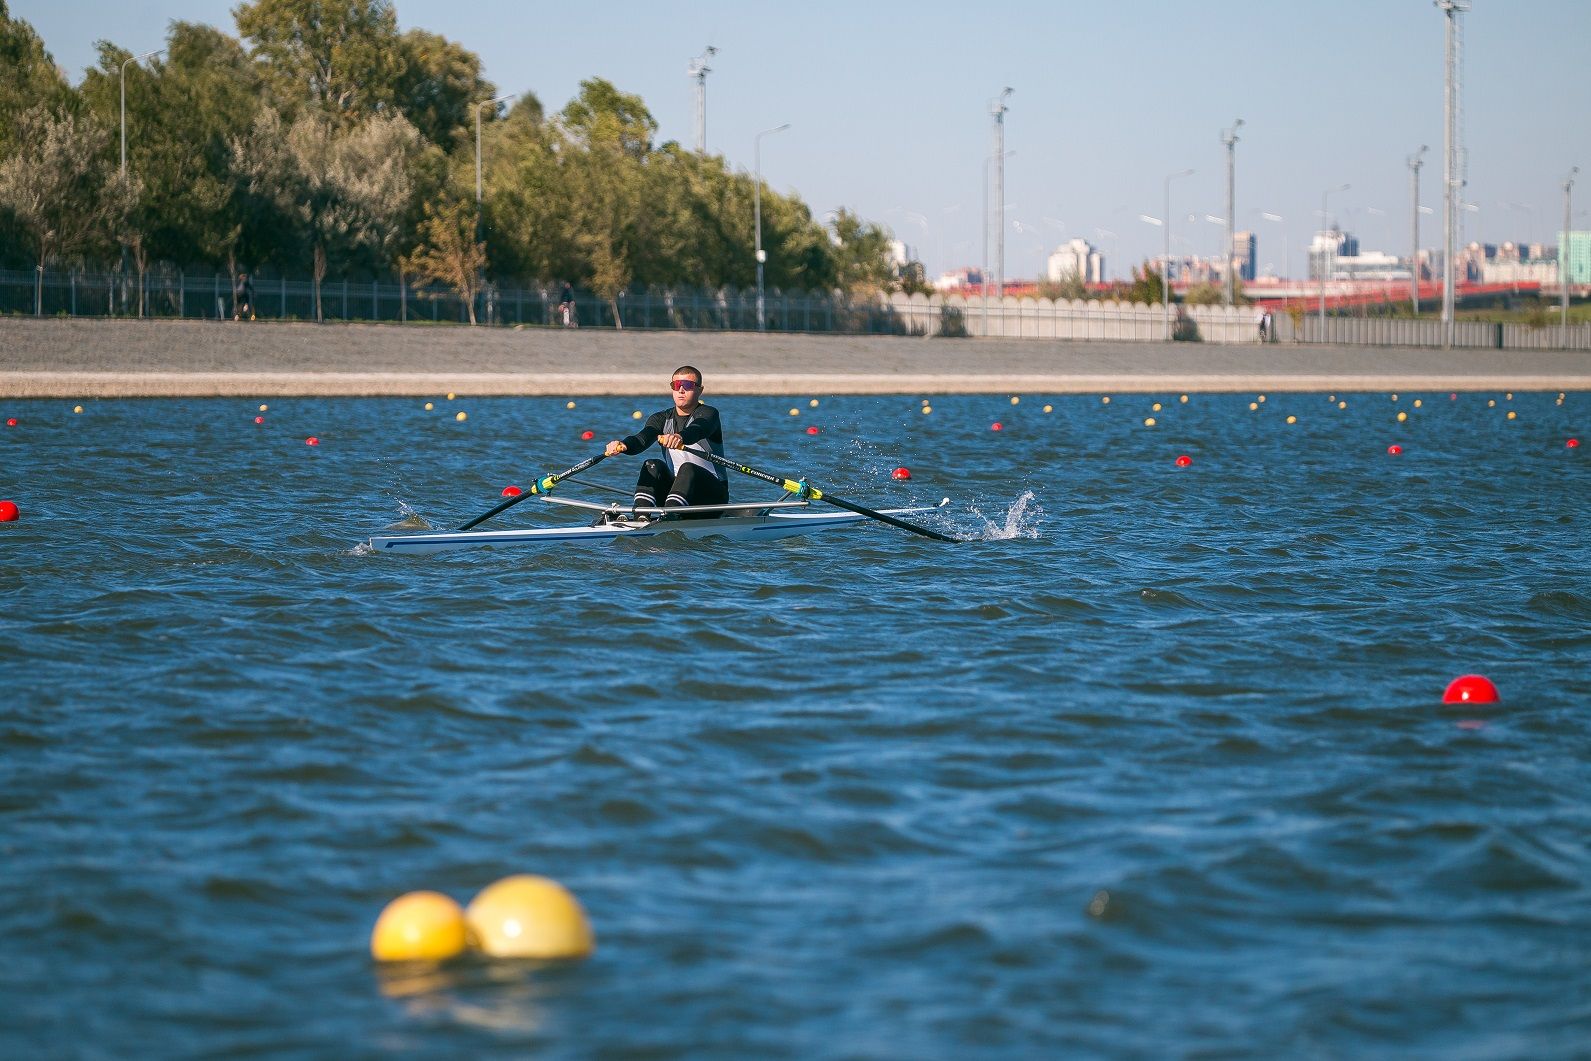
column 704, row 426
column 644, row 438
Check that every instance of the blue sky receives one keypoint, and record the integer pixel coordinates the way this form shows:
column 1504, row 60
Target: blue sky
column 888, row 105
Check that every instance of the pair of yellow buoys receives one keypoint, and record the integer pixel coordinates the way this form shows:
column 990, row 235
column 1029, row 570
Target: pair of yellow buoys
column 523, row 916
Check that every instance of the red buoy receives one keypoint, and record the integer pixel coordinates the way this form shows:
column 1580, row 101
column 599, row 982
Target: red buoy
column 1394, row 449
column 901, row 473
column 812, row 430
column 587, row 436
column 1184, row 460
column 8, row 512
column 1573, row 443
column 1470, row 689
column 11, row 421
column 997, row 426
column 312, row 441
column 259, row 419
column 512, row 491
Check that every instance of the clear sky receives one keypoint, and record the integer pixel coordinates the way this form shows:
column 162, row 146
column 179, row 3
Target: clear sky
column 888, row 104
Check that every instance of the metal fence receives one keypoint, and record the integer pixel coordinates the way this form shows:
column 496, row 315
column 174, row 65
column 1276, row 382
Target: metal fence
column 1431, row 332
column 212, row 297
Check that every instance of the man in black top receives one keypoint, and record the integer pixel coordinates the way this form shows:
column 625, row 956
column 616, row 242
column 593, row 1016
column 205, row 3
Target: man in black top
column 685, row 477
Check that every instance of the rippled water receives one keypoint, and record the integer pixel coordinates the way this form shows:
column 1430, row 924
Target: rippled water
column 1156, row 767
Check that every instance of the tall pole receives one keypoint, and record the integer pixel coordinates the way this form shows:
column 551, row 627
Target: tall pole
column 134, row 59
column 1451, row 178
column 756, row 199
column 1416, row 160
column 1229, row 138
column 1325, row 219
column 698, row 71
column 1165, row 281
column 1563, row 250
column 478, row 106
column 998, row 109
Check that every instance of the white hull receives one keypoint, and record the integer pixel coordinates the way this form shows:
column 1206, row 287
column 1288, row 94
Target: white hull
column 778, row 523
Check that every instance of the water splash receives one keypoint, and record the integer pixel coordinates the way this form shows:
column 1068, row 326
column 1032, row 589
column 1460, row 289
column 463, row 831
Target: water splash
column 409, row 519
column 1021, row 520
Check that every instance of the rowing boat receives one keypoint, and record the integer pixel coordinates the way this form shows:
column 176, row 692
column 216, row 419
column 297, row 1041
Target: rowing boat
column 760, row 521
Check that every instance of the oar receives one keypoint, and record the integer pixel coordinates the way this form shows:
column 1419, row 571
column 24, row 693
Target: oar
column 540, row 486
column 802, row 489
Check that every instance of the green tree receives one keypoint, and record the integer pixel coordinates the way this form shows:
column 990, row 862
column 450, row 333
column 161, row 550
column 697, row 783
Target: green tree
column 341, row 57
column 438, row 84
column 56, row 185
column 861, row 251
column 448, row 252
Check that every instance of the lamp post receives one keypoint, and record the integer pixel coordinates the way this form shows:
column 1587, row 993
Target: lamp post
column 134, row 59
column 478, row 106
column 998, row 109
column 756, row 193
column 1415, row 162
column 1563, row 251
column 1165, row 285
column 697, row 71
column 1229, row 138
column 1452, row 176
column 1320, row 268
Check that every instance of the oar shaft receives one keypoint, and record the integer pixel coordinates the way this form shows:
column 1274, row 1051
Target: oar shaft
column 801, row 488
column 540, row 486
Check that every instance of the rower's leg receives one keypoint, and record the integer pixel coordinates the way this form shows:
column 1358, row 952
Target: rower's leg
column 695, row 485
column 653, row 484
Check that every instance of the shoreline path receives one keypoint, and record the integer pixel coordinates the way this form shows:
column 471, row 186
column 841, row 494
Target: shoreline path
column 78, row 358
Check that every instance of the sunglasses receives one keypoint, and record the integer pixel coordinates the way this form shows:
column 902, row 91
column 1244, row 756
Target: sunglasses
column 684, row 384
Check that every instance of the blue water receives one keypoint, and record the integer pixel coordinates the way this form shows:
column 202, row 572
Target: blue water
column 1156, row 766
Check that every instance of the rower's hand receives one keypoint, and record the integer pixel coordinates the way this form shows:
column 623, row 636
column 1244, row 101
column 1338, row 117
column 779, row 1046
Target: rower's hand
column 671, row 441
column 614, row 448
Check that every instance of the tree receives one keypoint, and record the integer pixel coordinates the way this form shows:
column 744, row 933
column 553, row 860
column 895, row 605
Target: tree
column 861, row 251
column 437, row 87
column 28, row 76
column 58, row 188
column 340, row 57
column 448, row 252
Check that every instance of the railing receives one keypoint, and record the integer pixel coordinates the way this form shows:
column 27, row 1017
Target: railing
column 172, row 294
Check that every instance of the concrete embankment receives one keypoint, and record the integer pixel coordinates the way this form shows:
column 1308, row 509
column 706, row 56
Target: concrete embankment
column 81, row 358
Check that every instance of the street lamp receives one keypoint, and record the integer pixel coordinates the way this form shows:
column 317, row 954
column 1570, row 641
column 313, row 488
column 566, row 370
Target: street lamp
column 1165, row 285
column 1563, row 251
column 1320, row 268
column 756, row 154
column 1416, row 160
column 134, row 59
column 1229, row 138
column 697, row 71
column 478, row 106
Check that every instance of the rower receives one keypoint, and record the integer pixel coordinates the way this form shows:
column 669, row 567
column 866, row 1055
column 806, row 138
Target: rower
column 684, row 478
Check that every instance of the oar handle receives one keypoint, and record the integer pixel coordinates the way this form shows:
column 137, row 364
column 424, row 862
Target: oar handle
column 540, row 486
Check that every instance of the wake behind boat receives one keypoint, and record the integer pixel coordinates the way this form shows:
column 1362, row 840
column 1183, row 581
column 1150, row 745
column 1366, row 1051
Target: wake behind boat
column 737, row 522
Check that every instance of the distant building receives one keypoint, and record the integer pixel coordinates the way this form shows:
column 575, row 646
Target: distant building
column 1578, row 256
column 900, row 253
column 1244, row 252
column 1077, row 258
column 1514, row 272
column 1335, row 255
column 956, row 279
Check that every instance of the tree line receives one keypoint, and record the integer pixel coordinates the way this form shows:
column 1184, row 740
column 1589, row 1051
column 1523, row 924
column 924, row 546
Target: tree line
column 321, row 139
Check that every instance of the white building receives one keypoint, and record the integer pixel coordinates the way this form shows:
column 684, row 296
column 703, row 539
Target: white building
column 1077, row 258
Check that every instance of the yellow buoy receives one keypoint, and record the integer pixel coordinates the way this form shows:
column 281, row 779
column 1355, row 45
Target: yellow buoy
column 1015, row 400
column 1049, row 408
column 1253, row 406
column 1105, row 400
column 567, row 405
column 927, row 409
column 1509, row 396
column 77, row 408
column 1331, row 397
column 795, row 412
column 429, row 407
column 1512, row 414
column 1292, row 419
column 419, row 926
column 449, row 395
column 1155, row 407
column 1262, row 399
column 1402, row 416
column 526, row 916
column 1394, row 397
column 636, row 415
column 263, row 408
column 1491, row 403
column 813, row 404
column 461, row 416
column 1342, row 405
column 1183, row 399
column 1149, row 421
column 1416, row 403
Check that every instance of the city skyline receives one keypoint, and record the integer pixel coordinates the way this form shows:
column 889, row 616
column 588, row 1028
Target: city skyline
column 1103, row 108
